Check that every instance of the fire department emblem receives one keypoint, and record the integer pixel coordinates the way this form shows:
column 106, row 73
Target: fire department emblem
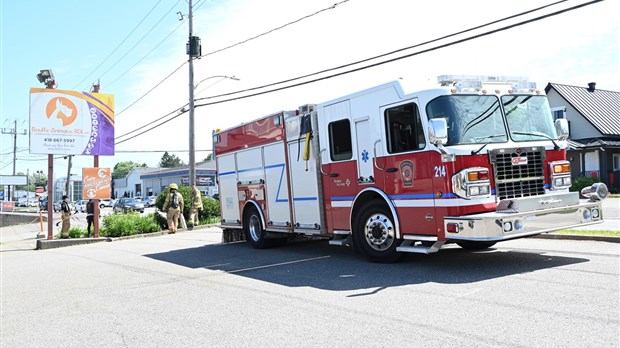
column 406, row 172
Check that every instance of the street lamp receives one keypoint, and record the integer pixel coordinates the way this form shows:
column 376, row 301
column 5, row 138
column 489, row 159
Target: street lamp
column 213, row 77
column 192, row 151
column 46, row 77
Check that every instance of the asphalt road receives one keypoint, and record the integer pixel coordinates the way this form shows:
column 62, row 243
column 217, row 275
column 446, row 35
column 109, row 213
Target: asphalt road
column 187, row 290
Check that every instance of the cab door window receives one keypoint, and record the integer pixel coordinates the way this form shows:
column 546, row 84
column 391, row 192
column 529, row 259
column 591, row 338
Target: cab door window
column 340, row 140
column 404, row 128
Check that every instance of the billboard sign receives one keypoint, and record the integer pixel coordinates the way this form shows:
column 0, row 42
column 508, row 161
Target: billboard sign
column 96, row 183
column 13, row 180
column 71, row 123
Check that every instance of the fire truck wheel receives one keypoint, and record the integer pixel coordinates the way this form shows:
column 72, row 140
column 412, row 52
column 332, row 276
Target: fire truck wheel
column 470, row 245
column 375, row 234
column 254, row 232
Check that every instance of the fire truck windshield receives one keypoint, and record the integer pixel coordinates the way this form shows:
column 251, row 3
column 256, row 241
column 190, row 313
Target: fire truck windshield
column 471, row 119
column 529, row 117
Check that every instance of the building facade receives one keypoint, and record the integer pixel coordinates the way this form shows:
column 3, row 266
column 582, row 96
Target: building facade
column 594, row 123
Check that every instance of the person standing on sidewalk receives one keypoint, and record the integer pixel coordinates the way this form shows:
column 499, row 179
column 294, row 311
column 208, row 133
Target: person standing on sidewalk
column 65, row 214
column 194, row 212
column 90, row 215
column 173, row 205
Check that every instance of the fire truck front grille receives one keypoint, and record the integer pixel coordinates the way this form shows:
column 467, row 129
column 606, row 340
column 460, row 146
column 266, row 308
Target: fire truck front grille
column 518, row 172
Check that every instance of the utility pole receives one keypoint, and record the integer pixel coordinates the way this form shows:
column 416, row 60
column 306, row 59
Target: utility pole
column 14, row 132
column 194, row 51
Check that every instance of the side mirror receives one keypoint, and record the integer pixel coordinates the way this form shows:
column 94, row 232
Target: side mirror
column 561, row 128
column 438, row 131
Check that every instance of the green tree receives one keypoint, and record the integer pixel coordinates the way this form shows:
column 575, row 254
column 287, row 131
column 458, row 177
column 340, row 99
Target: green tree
column 208, row 158
column 37, row 179
column 121, row 169
column 170, row 161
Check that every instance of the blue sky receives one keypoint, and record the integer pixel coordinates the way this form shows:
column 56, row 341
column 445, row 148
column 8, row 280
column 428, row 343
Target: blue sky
column 73, row 37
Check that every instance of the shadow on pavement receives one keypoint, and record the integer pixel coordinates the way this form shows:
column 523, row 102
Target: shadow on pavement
column 319, row 265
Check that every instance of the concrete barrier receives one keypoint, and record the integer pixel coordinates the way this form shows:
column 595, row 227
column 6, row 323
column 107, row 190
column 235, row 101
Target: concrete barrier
column 12, row 219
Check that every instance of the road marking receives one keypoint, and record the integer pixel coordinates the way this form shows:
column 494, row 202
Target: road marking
column 278, row 264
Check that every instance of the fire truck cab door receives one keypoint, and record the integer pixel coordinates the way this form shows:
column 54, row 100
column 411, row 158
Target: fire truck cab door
column 408, row 174
column 364, row 151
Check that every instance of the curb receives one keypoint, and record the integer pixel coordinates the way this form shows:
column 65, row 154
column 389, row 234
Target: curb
column 43, row 244
column 608, row 239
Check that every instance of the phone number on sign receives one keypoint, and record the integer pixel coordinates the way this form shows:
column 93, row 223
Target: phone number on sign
column 59, row 140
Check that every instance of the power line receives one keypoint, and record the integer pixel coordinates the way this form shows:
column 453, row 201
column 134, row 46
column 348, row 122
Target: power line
column 142, row 38
column 118, row 46
column 276, row 29
column 380, row 63
column 149, row 129
column 150, row 90
column 476, row 36
column 210, row 53
column 388, row 53
column 146, row 55
column 139, row 128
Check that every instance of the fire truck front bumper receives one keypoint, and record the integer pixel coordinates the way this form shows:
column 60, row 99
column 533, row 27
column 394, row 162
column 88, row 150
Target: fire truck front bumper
column 498, row 226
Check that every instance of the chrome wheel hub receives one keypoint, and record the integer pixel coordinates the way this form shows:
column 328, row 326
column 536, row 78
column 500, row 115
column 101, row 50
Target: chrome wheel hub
column 379, row 232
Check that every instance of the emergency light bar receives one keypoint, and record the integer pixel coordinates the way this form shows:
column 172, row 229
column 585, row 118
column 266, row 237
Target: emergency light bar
column 449, row 80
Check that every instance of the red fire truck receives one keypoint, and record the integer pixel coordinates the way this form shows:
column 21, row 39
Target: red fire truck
column 473, row 162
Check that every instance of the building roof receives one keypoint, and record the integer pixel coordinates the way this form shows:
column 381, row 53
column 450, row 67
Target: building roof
column 207, row 167
column 600, row 107
column 593, row 143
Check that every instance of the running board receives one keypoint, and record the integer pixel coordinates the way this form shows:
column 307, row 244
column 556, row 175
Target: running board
column 407, row 247
column 341, row 240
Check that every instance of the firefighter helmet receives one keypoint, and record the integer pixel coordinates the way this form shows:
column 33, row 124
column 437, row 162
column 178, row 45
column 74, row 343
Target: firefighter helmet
column 174, row 186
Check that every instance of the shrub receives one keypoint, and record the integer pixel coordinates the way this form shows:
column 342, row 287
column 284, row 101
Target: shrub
column 581, row 182
column 210, row 210
column 77, row 232
column 210, row 207
column 118, row 225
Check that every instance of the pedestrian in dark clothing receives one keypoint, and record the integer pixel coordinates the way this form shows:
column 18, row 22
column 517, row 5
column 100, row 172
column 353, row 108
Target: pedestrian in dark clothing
column 90, row 215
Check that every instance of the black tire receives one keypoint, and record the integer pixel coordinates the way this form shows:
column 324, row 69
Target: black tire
column 472, row 245
column 374, row 233
column 254, row 232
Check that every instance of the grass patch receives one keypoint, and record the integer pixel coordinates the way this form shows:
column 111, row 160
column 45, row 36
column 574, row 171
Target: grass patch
column 605, row 233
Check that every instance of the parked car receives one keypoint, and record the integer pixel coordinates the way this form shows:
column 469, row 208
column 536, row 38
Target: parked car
column 105, row 203
column 58, row 204
column 80, row 206
column 150, row 201
column 125, row 205
column 43, row 204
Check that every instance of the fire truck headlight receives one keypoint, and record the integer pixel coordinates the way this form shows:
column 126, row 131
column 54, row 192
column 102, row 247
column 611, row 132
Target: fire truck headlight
column 507, row 226
column 472, row 183
column 474, row 190
column 596, row 214
column 560, row 175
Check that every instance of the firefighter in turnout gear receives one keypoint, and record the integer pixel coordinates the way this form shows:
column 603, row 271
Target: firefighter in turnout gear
column 194, row 213
column 65, row 214
column 173, row 205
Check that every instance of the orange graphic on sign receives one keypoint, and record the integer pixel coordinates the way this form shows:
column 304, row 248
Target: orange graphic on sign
column 61, row 108
column 96, row 183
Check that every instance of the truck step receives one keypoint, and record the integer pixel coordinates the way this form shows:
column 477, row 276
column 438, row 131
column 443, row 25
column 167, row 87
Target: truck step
column 406, row 247
column 341, row 240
